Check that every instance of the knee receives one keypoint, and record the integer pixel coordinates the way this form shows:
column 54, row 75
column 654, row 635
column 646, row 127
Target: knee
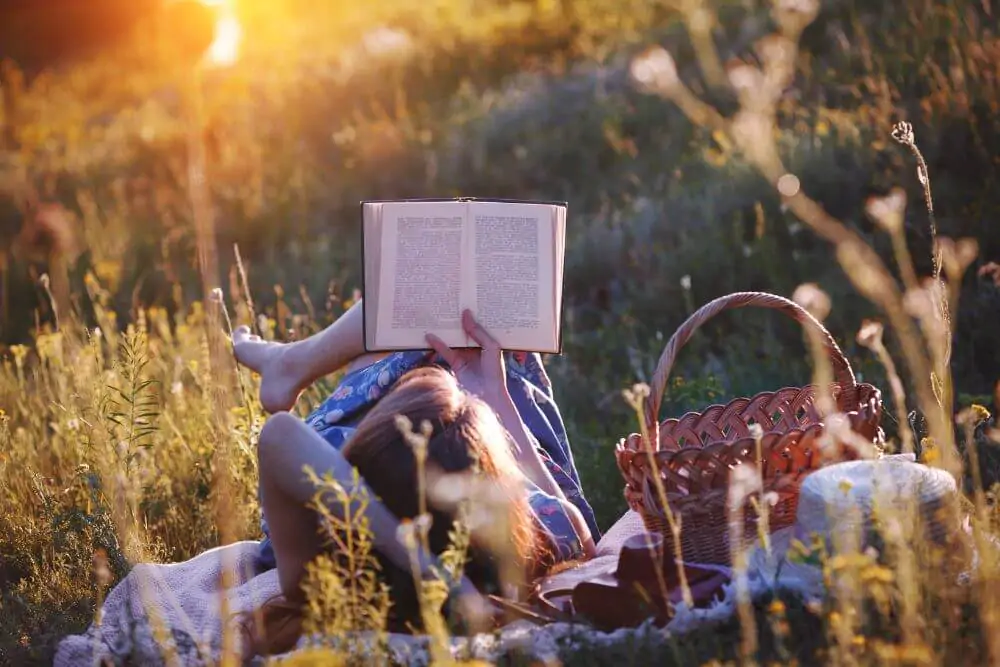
column 274, row 435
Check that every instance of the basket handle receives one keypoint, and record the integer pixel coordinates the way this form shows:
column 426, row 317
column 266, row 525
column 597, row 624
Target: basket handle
column 841, row 367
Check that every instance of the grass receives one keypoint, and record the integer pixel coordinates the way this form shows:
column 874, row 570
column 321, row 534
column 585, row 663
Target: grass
column 132, row 444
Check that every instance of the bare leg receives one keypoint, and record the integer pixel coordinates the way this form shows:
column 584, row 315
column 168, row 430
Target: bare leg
column 287, row 445
column 286, row 369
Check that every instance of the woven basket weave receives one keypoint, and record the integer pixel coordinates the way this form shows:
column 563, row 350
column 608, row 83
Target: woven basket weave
column 694, row 455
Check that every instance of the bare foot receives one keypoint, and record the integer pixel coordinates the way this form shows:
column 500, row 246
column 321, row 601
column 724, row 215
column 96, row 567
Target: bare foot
column 281, row 381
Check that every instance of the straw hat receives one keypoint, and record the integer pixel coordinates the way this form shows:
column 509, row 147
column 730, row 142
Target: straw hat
column 841, row 504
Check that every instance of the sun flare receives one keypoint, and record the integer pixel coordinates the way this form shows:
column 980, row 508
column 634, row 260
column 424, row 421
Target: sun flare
column 225, row 49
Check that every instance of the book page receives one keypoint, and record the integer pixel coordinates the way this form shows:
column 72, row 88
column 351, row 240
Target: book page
column 420, row 285
column 514, row 267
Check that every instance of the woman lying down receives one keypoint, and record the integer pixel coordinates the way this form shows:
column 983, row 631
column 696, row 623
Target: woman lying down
column 488, row 411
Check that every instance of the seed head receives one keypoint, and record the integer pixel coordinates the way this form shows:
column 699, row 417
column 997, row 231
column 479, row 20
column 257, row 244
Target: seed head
column 813, row 299
column 903, row 133
column 655, row 71
column 956, row 256
column 887, row 211
column 870, row 334
column 744, row 77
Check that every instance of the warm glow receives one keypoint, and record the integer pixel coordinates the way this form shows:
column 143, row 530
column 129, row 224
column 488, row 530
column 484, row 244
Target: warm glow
column 228, row 33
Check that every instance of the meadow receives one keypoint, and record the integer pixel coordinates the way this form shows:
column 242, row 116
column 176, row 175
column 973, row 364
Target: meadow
column 128, row 181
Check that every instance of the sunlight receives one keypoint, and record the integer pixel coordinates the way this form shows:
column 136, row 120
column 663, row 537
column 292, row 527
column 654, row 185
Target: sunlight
column 225, row 49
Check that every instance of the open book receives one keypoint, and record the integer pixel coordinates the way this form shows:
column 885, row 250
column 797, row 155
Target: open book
column 425, row 261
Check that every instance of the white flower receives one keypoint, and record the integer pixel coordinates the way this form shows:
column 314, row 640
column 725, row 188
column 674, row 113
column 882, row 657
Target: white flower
column 686, row 283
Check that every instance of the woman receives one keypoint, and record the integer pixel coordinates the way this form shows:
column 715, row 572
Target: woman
column 286, row 369
column 477, row 422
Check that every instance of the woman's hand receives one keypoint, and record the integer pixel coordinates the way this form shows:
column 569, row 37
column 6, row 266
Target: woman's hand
column 480, row 372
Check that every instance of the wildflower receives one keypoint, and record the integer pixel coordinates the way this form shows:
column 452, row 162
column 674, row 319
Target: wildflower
column 813, row 299
column 771, row 498
column 887, row 211
column 686, row 283
column 756, row 431
column 870, row 334
column 972, row 416
column 903, row 133
column 216, row 295
column 655, row 71
column 929, row 451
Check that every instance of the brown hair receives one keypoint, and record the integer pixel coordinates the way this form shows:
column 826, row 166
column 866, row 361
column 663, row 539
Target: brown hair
column 465, row 435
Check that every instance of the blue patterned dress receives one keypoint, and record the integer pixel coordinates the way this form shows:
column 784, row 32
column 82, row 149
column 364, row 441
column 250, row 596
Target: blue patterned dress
column 531, row 391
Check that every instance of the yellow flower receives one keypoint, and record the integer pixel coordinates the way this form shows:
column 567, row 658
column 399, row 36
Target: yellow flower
column 980, row 413
column 822, row 128
column 929, row 451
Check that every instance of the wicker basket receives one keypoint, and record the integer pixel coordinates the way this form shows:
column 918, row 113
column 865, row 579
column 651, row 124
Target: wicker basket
column 694, row 455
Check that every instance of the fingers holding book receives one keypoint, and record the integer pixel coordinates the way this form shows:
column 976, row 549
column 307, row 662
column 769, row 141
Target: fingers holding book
column 480, row 372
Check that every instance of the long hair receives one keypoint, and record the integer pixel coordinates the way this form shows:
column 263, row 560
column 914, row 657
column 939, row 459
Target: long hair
column 465, row 436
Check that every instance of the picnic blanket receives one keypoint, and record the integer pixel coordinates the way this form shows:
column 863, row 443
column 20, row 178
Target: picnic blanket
column 176, row 614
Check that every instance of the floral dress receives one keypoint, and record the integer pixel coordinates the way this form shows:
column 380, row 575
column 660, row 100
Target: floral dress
column 531, row 391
